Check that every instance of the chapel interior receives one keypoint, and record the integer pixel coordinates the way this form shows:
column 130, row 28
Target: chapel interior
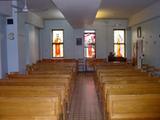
column 79, row 60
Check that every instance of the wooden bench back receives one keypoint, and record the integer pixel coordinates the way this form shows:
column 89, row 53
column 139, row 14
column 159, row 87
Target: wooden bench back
column 132, row 89
column 28, row 106
column 42, row 76
column 134, row 106
column 51, row 117
column 133, row 79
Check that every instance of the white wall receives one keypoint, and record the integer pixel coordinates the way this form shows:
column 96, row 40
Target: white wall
column 104, row 37
column 146, row 14
column 28, row 39
column 149, row 21
column 16, row 49
column 34, row 19
column 32, row 44
column 12, row 45
column 151, row 37
column 3, row 47
column 103, row 41
column 129, row 43
column 5, row 7
column 78, row 33
column 21, row 43
column 46, row 38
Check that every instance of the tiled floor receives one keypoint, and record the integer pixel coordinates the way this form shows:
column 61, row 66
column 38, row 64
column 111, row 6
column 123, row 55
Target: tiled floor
column 84, row 105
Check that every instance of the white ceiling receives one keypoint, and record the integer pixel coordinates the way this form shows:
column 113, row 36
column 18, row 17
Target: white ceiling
column 122, row 8
column 78, row 12
column 44, row 8
column 81, row 12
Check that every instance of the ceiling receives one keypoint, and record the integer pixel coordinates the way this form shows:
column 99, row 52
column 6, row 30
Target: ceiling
column 122, row 8
column 78, row 12
column 44, row 8
column 82, row 12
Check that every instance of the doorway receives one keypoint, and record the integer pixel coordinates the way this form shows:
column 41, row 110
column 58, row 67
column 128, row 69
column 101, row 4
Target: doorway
column 89, row 49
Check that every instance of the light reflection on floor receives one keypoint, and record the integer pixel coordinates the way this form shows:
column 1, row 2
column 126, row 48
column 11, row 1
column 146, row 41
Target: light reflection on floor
column 85, row 104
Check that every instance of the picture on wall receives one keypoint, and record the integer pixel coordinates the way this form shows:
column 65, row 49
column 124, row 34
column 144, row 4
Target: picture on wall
column 57, row 43
column 79, row 41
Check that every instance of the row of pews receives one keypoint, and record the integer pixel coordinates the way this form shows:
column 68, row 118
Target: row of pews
column 43, row 93
column 126, row 93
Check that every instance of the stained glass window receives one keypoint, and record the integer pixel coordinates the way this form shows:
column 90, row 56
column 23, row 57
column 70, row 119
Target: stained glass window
column 89, row 43
column 119, row 43
column 57, row 43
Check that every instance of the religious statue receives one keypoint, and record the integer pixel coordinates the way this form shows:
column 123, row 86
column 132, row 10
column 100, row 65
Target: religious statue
column 119, row 49
column 89, row 48
column 57, row 45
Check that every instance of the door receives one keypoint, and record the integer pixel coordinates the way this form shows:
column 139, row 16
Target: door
column 89, row 48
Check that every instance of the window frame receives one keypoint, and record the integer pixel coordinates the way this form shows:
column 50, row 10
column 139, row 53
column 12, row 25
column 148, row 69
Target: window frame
column 57, row 43
column 120, row 43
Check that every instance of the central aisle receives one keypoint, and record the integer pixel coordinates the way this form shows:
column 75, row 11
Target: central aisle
column 84, row 105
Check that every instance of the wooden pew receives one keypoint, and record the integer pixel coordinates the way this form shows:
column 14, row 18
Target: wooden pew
column 50, row 84
column 101, row 72
column 44, row 78
column 63, row 84
column 126, row 80
column 122, row 74
column 143, row 87
column 134, row 104
column 28, row 117
column 52, row 72
column 52, row 67
column 38, row 82
column 36, row 108
column 116, row 79
column 33, row 91
column 116, row 71
column 114, row 66
column 37, row 91
column 64, row 76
